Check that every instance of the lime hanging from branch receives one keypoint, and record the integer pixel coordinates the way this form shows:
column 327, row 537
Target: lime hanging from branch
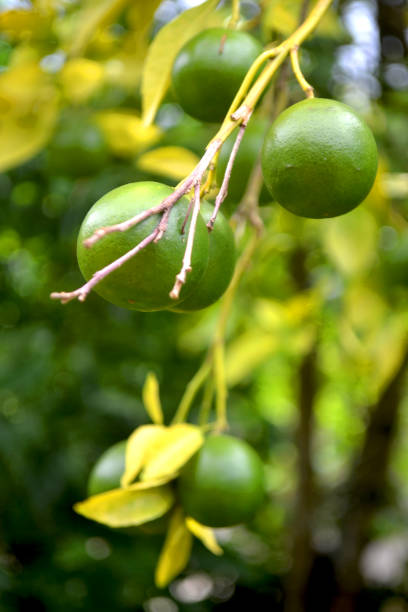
column 319, row 158
column 223, row 483
column 144, row 281
column 209, row 69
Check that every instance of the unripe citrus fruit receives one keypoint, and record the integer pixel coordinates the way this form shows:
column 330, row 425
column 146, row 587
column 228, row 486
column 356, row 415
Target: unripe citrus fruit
column 319, row 158
column 223, row 483
column 244, row 162
column 209, row 69
column 220, row 267
column 107, row 471
column 78, row 148
column 143, row 282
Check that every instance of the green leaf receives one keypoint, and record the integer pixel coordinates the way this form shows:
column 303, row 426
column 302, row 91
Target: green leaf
column 176, row 550
column 248, row 352
column 173, row 162
column 163, row 51
column 205, row 534
column 151, row 399
column 139, row 447
column 127, row 507
column 174, row 449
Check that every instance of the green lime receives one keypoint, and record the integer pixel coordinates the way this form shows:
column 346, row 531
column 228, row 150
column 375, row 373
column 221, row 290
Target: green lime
column 209, row 69
column 145, row 281
column 220, row 267
column 107, row 471
column 78, row 148
column 319, row 158
column 247, row 156
column 223, row 483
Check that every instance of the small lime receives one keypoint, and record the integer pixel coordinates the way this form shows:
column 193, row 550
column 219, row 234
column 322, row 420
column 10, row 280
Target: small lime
column 209, row 69
column 223, row 483
column 319, row 158
column 145, row 281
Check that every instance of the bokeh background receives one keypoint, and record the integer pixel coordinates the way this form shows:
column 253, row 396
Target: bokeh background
column 317, row 339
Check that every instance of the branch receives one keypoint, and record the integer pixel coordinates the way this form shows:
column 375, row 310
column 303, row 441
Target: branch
column 367, row 482
column 223, row 192
column 186, row 267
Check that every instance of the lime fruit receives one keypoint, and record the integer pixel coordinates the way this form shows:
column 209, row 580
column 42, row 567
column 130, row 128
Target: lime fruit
column 223, row 483
column 107, row 471
column 144, row 282
column 245, row 160
column 220, row 267
column 319, row 158
column 78, row 148
column 209, row 69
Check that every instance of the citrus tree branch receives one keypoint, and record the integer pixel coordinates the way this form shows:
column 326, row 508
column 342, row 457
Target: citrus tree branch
column 294, row 60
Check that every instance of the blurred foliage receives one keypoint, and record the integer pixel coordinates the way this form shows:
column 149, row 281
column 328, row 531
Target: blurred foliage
column 71, row 377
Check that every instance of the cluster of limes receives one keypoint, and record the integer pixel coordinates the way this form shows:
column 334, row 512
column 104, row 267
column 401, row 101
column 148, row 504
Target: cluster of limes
column 220, row 486
column 319, row 159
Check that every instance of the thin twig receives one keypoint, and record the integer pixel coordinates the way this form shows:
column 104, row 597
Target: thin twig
column 83, row 291
column 167, row 203
column 223, row 192
column 186, row 267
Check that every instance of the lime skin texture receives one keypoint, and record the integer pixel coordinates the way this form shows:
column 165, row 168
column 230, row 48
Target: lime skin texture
column 144, row 282
column 107, row 471
column 244, row 163
column 223, row 483
column 220, row 267
column 319, row 158
column 209, row 69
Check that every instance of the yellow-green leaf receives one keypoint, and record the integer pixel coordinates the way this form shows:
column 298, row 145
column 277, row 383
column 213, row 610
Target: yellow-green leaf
column 151, row 399
column 282, row 16
column 175, row 552
column 125, row 133
column 28, row 107
column 127, row 507
column 173, row 162
column 205, row 534
column 163, row 51
column 80, row 79
column 247, row 352
column 140, row 445
column 93, row 14
column 175, row 448
column 351, row 241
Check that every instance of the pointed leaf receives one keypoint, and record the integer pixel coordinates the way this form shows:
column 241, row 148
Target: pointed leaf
column 125, row 133
column 29, row 107
column 163, row 51
column 205, row 534
column 80, row 79
column 126, row 507
column 179, row 443
column 93, row 14
column 172, row 162
column 139, row 448
column 175, row 552
column 151, row 399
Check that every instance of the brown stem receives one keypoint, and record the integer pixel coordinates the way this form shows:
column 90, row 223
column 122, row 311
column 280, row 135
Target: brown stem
column 83, row 291
column 223, row 192
column 366, row 487
column 184, row 187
